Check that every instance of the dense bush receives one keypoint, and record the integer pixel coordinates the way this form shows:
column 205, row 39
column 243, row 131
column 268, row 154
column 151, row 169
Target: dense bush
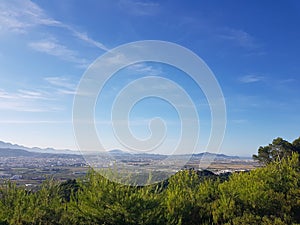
column 267, row 195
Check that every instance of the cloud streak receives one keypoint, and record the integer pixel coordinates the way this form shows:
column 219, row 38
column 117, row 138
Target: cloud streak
column 143, row 68
column 238, row 37
column 21, row 16
column 53, row 48
column 63, row 85
column 251, row 79
column 87, row 39
column 45, row 99
column 24, row 101
column 35, row 122
column 139, row 8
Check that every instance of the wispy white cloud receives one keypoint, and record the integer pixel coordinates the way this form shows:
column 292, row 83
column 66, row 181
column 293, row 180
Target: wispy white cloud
column 116, row 59
column 144, row 69
column 67, row 92
column 62, row 85
column 43, row 98
column 21, row 105
column 139, row 8
column 51, row 47
column 238, row 37
column 23, row 94
column 251, row 79
column 61, row 82
column 87, row 39
column 28, row 101
column 35, row 122
column 29, row 94
column 5, row 95
column 20, row 16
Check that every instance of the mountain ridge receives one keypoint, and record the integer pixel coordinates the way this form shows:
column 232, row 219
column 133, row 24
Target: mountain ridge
column 6, row 146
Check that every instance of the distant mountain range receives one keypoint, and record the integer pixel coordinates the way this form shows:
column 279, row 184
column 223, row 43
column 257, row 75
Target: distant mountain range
column 219, row 156
column 14, row 150
column 196, row 155
column 5, row 145
column 8, row 152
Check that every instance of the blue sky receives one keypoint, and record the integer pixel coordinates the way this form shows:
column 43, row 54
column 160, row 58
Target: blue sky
column 251, row 46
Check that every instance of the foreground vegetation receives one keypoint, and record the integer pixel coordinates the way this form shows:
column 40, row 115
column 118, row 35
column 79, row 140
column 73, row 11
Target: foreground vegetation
column 267, row 195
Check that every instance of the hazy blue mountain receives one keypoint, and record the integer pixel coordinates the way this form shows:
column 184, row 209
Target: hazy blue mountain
column 115, row 152
column 8, row 152
column 119, row 152
column 195, row 155
column 36, row 149
column 217, row 156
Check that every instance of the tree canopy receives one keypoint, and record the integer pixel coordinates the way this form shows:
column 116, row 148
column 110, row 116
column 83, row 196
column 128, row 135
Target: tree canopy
column 277, row 150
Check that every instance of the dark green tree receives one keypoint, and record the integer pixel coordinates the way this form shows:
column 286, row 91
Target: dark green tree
column 67, row 189
column 276, row 151
column 296, row 145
